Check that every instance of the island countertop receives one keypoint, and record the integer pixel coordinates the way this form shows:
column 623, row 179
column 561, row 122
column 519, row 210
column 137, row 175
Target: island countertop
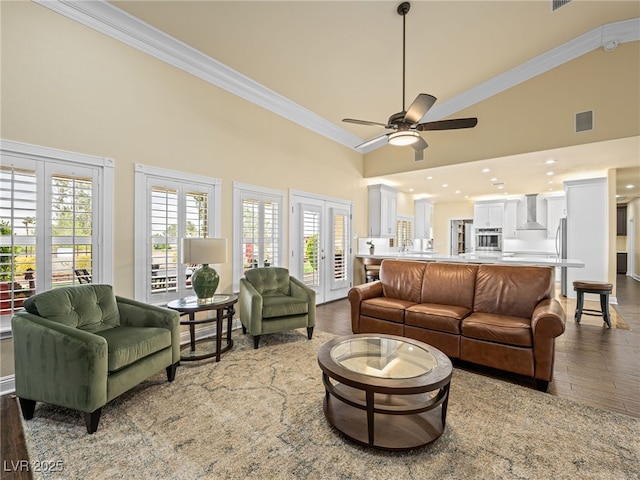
column 493, row 258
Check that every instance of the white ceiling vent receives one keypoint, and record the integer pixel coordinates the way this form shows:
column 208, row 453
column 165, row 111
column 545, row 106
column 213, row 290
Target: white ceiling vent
column 556, row 4
column 584, row 121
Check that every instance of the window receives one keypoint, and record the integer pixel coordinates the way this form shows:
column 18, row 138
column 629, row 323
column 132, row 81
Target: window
column 404, row 232
column 169, row 206
column 55, row 222
column 258, row 229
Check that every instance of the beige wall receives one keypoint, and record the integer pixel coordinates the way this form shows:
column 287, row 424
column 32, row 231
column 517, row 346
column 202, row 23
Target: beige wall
column 443, row 213
column 65, row 86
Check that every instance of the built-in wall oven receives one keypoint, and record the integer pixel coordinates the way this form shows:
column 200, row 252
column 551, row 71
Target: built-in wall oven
column 488, row 239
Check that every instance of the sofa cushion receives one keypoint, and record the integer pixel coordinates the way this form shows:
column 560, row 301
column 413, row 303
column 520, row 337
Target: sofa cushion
column 401, row 279
column 512, row 290
column 498, row 329
column 391, row 309
column 444, row 318
column 88, row 307
column 449, row 284
column 126, row 345
column 279, row 305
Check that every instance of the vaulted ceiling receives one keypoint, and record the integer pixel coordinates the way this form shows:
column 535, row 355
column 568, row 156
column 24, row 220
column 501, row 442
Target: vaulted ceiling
column 344, row 59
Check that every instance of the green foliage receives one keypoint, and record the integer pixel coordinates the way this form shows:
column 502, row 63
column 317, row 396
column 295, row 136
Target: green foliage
column 312, row 251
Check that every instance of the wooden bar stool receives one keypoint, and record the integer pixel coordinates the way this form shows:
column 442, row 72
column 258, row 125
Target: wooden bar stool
column 601, row 288
column 371, row 269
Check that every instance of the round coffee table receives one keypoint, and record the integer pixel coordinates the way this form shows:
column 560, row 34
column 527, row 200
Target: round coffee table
column 385, row 391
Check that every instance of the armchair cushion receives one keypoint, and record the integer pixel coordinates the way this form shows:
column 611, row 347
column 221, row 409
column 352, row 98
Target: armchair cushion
column 127, row 345
column 279, row 305
column 88, row 307
column 269, row 281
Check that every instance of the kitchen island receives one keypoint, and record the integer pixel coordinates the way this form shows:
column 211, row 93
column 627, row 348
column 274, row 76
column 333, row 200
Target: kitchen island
column 478, row 257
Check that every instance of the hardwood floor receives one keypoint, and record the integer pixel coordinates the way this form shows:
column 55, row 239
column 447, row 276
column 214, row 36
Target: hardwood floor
column 594, row 365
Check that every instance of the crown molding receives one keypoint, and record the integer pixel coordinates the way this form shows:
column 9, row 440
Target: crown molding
column 119, row 25
column 106, row 18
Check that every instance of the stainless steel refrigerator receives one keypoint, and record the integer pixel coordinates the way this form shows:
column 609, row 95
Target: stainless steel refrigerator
column 561, row 253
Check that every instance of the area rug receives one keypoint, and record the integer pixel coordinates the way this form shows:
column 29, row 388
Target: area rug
column 258, row 414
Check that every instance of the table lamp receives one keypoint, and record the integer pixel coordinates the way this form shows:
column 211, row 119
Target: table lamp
column 203, row 251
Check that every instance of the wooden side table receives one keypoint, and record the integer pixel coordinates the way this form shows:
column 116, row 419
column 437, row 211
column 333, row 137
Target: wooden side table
column 223, row 305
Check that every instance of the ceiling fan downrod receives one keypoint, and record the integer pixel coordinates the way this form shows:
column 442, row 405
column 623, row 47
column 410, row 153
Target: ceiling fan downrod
column 403, row 9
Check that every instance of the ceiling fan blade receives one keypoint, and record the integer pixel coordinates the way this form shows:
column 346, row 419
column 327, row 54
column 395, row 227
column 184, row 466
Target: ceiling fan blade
column 419, row 107
column 448, row 124
column 364, row 122
column 419, row 147
column 373, row 140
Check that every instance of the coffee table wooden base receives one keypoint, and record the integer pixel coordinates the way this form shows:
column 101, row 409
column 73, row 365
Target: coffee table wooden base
column 388, row 423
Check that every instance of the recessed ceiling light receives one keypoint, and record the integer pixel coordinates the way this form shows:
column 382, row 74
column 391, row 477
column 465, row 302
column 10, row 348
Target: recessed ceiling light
column 549, row 173
column 429, row 177
column 500, row 187
column 486, row 170
column 457, row 191
column 630, row 186
column 445, row 185
column 494, row 179
column 411, row 189
column 466, row 196
column 550, row 161
column 550, row 182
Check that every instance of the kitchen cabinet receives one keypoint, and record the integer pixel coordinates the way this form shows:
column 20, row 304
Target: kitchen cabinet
column 621, row 262
column 556, row 209
column 621, row 221
column 383, row 205
column 511, row 221
column 488, row 214
column 422, row 214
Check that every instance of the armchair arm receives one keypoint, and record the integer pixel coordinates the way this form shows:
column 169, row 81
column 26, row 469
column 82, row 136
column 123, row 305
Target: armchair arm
column 59, row 364
column 139, row 314
column 300, row 290
column 359, row 293
column 250, row 302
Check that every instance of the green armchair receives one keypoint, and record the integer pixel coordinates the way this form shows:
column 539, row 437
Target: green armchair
column 273, row 301
column 80, row 347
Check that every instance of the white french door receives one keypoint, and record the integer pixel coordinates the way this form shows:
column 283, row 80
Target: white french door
column 320, row 232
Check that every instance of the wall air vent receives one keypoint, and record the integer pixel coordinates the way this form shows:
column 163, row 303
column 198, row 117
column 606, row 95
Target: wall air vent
column 556, row 4
column 584, row 121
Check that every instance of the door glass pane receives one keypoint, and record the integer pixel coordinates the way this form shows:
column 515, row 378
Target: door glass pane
column 270, row 237
column 250, row 233
column 340, row 272
column 311, row 247
column 164, row 239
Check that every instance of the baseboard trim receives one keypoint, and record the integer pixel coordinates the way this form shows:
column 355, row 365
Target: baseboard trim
column 7, row 384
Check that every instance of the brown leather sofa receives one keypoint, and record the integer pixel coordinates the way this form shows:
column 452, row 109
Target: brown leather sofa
column 500, row 316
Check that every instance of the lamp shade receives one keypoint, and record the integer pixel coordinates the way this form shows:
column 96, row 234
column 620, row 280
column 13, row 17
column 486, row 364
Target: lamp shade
column 204, row 250
column 403, row 137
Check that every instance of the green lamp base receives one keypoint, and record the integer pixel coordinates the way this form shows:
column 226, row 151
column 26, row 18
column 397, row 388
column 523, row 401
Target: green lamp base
column 205, row 283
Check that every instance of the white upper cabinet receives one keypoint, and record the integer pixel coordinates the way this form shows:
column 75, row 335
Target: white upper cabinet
column 556, row 209
column 422, row 223
column 383, row 205
column 511, row 218
column 488, row 214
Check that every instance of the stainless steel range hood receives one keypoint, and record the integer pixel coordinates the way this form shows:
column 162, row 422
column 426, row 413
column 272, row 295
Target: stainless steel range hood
column 531, row 223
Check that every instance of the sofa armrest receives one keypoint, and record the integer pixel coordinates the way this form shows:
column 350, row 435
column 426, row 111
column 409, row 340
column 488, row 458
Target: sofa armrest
column 300, row 290
column 139, row 314
column 250, row 303
column 59, row 364
column 359, row 293
column 547, row 322
column 548, row 319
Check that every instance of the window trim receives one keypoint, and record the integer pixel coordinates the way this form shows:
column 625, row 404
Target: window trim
column 239, row 189
column 104, row 198
column 142, row 173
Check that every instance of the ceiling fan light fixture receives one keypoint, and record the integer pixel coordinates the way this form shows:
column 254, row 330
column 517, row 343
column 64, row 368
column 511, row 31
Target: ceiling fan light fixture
column 403, row 138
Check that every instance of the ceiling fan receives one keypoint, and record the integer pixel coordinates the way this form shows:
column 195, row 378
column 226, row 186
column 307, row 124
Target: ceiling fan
column 405, row 125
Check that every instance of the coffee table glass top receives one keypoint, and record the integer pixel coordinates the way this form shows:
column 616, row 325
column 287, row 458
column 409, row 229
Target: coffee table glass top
column 383, row 357
column 192, row 302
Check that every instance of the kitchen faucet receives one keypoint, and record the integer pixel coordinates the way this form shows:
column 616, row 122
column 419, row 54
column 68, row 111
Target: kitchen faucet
column 405, row 243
